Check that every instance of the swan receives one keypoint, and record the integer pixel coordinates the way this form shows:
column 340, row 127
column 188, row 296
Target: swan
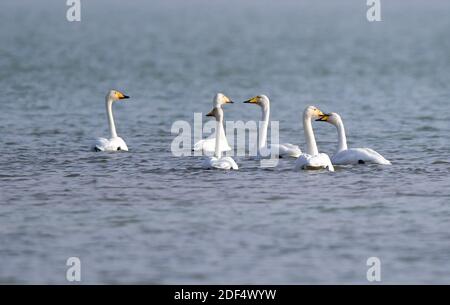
column 346, row 155
column 312, row 159
column 115, row 143
column 278, row 150
column 217, row 161
column 209, row 145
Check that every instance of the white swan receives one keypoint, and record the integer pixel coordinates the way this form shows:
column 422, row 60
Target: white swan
column 346, row 155
column 115, row 142
column 208, row 145
column 217, row 161
column 312, row 159
column 278, row 150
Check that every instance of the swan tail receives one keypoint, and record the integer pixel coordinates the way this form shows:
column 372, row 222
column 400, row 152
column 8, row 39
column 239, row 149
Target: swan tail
column 378, row 158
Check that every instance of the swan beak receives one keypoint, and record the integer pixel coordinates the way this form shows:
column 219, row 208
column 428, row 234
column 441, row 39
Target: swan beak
column 253, row 100
column 226, row 100
column 122, row 96
column 323, row 117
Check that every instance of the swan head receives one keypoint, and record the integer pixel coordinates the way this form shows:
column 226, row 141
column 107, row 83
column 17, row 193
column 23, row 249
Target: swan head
column 313, row 112
column 115, row 95
column 216, row 112
column 261, row 100
column 221, row 99
column 332, row 118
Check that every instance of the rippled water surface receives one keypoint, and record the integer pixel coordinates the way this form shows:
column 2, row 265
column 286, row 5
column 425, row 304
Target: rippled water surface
column 148, row 217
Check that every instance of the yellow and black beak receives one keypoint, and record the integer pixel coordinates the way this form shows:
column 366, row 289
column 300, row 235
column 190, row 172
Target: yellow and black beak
column 122, row 96
column 323, row 117
column 253, row 100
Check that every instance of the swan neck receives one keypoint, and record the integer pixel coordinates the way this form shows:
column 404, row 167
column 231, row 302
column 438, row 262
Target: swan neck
column 342, row 144
column 311, row 146
column 219, row 135
column 264, row 125
column 112, row 126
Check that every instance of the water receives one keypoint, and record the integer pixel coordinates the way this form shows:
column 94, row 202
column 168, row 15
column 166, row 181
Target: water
column 148, row 217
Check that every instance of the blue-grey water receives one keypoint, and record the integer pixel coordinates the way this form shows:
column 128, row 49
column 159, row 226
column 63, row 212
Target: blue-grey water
column 148, row 217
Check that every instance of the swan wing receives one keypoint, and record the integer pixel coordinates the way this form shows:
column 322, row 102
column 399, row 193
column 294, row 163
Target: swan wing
column 308, row 162
column 359, row 156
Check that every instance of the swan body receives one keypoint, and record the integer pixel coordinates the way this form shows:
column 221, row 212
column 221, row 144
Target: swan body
column 220, row 163
column 280, row 150
column 114, row 143
column 208, row 145
column 217, row 161
column 271, row 150
column 358, row 156
column 344, row 155
column 310, row 162
column 312, row 159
